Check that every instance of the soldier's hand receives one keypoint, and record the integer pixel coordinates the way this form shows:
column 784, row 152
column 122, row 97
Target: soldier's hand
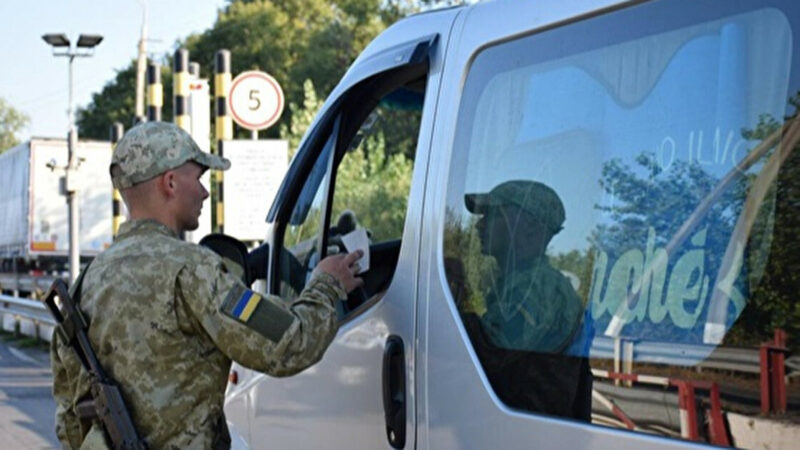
column 344, row 268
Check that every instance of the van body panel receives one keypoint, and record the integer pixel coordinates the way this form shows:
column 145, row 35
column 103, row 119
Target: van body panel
column 343, row 391
column 450, row 399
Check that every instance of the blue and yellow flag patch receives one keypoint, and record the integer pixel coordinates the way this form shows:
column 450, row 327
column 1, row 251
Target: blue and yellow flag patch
column 245, row 305
column 260, row 313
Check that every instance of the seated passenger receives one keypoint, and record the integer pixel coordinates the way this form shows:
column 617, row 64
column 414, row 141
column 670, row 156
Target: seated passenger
column 528, row 338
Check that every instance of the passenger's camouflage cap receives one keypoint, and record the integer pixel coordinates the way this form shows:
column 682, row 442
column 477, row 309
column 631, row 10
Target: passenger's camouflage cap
column 152, row 148
column 533, row 197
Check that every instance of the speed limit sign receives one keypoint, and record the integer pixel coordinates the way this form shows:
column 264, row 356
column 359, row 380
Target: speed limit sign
column 255, row 100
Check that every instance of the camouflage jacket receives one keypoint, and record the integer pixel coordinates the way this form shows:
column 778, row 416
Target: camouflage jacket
column 533, row 309
column 166, row 319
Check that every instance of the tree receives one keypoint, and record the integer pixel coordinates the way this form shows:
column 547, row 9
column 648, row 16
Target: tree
column 302, row 115
column 293, row 40
column 117, row 103
column 11, row 122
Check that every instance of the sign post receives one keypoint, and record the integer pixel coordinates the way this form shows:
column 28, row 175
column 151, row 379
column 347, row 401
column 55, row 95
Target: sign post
column 255, row 102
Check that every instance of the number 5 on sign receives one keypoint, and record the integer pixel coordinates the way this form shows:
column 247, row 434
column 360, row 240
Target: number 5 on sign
column 255, row 100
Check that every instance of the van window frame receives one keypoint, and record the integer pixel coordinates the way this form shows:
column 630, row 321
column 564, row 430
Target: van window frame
column 341, row 121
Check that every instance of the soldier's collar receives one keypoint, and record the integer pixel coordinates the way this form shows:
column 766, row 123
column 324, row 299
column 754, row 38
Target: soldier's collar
column 144, row 226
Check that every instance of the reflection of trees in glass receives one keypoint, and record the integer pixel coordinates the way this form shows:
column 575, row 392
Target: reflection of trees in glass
column 774, row 301
column 647, row 199
column 580, row 264
column 466, row 267
column 649, row 206
column 661, row 200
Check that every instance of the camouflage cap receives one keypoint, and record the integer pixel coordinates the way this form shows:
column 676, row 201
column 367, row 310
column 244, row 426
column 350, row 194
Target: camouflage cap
column 152, row 148
column 533, row 197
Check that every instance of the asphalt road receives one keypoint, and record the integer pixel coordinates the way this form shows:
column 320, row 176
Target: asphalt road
column 26, row 404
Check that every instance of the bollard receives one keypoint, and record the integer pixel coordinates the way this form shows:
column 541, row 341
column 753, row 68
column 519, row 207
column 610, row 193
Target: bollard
column 223, row 128
column 180, row 89
column 155, row 92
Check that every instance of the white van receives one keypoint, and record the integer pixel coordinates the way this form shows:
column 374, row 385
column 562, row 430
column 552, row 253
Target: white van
column 583, row 218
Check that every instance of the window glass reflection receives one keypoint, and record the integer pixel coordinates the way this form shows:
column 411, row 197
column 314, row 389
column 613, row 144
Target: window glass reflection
column 639, row 187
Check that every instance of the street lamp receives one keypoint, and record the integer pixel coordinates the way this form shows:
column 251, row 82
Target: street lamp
column 83, row 48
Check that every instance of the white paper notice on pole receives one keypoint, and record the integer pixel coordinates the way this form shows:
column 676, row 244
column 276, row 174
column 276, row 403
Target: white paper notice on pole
column 200, row 114
column 257, row 170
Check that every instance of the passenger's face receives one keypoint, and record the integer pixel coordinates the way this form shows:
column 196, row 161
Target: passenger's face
column 493, row 232
column 190, row 195
column 502, row 227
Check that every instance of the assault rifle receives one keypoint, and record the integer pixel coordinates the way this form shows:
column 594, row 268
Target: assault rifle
column 107, row 403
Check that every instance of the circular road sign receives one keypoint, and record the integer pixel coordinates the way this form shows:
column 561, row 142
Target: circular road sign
column 255, row 100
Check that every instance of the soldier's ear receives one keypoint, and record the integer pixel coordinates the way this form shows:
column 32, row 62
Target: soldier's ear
column 167, row 182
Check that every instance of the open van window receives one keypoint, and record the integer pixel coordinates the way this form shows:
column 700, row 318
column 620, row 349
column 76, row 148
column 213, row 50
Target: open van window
column 362, row 178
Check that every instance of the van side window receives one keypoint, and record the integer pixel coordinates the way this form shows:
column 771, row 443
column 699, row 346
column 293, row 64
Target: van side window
column 373, row 148
column 300, row 251
column 627, row 203
column 373, row 181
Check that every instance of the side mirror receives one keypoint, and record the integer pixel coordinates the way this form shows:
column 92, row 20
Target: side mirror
column 232, row 250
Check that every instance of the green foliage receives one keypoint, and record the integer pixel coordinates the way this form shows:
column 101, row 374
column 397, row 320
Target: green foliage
column 579, row 263
column 117, row 103
column 302, row 116
column 371, row 181
column 11, row 122
column 467, row 268
column 773, row 300
column 375, row 187
column 293, row 40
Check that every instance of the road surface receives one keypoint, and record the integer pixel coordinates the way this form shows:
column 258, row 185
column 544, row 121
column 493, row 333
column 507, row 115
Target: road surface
column 26, row 404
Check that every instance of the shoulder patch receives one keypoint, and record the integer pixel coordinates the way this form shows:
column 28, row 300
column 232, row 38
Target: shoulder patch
column 259, row 313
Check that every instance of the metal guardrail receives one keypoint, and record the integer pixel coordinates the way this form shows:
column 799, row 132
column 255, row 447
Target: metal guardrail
column 25, row 308
column 699, row 356
column 24, row 282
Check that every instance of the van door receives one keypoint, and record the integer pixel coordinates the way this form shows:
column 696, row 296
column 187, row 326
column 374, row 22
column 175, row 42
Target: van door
column 611, row 221
column 354, row 172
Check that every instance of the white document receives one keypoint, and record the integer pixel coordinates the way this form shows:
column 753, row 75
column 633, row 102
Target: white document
column 358, row 240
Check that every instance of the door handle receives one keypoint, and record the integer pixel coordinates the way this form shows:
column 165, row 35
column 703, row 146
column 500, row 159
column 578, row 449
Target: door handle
column 394, row 391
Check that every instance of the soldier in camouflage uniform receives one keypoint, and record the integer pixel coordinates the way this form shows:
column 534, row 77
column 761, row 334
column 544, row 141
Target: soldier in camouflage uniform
column 530, row 336
column 167, row 317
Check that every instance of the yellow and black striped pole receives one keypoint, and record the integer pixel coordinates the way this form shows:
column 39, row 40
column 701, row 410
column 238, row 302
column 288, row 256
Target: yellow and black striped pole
column 180, row 89
column 117, row 130
column 223, row 128
column 155, row 92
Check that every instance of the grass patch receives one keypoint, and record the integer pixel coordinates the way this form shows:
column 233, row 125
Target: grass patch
column 9, row 336
column 22, row 341
column 29, row 342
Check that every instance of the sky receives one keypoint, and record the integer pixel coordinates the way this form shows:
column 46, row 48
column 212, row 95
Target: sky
column 35, row 82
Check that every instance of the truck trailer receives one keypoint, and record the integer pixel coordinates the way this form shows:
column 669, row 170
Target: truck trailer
column 34, row 226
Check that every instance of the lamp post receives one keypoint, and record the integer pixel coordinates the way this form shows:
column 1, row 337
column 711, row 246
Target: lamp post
column 83, row 48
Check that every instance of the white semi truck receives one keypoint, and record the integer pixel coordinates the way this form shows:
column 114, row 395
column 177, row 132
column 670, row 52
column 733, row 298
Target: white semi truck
column 34, row 225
